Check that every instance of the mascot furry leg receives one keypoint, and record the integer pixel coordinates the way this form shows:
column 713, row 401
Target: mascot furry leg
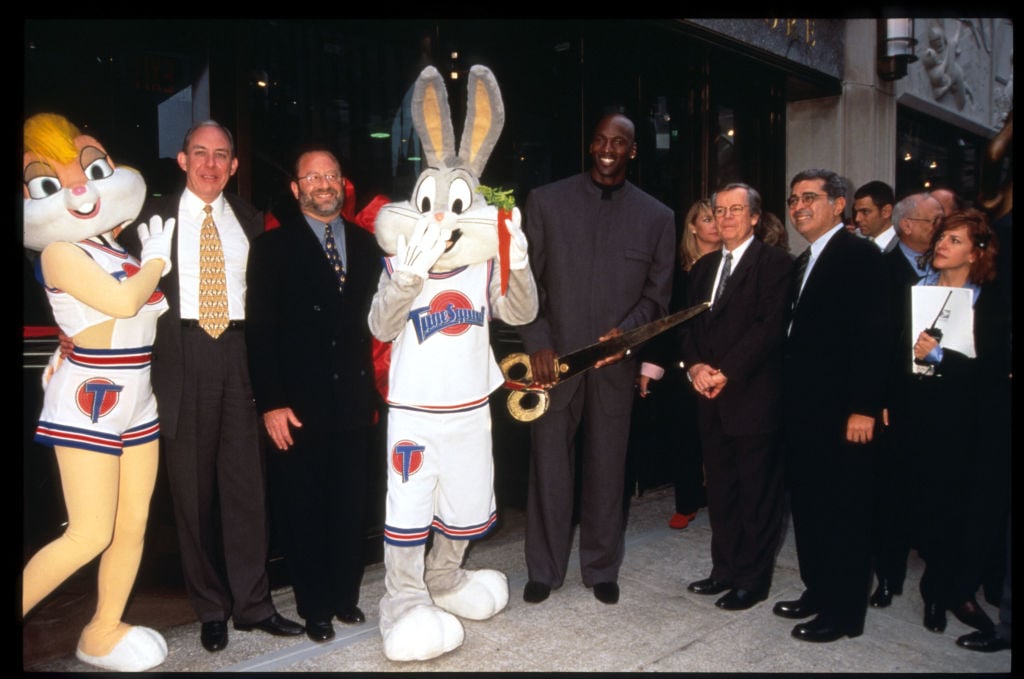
column 107, row 500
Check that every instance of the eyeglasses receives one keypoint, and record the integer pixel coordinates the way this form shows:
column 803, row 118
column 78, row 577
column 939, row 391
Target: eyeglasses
column 933, row 220
column 315, row 177
column 803, row 199
column 732, row 209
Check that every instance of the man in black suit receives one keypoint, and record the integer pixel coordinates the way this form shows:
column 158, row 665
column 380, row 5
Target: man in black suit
column 310, row 283
column 733, row 355
column 835, row 360
column 208, row 422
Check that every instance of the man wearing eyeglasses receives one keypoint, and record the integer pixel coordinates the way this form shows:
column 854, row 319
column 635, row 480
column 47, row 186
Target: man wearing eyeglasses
column 208, row 425
column 310, row 283
column 733, row 356
column 833, row 382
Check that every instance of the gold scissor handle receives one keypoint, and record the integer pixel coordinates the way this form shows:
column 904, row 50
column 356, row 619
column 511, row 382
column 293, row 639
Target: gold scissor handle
column 526, row 403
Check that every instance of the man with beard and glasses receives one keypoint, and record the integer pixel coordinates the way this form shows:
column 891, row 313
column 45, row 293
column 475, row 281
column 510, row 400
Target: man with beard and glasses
column 310, row 283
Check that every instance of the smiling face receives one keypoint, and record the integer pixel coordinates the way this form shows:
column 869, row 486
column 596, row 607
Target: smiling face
column 811, row 211
column 733, row 217
column 72, row 188
column 209, row 162
column 319, row 197
column 611, row 148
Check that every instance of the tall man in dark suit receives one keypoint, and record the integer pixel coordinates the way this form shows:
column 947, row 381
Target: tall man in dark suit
column 208, row 422
column 602, row 254
column 310, row 283
column 835, row 359
column 733, row 355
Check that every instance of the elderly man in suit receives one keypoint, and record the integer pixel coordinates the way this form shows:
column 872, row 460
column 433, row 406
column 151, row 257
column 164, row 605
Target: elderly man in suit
column 310, row 283
column 602, row 254
column 733, row 356
column 208, row 422
column 834, row 370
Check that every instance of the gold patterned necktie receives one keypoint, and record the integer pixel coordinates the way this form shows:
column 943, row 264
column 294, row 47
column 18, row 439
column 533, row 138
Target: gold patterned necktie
column 334, row 257
column 213, row 286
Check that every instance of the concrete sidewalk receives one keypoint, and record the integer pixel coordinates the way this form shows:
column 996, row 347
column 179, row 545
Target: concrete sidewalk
column 657, row 626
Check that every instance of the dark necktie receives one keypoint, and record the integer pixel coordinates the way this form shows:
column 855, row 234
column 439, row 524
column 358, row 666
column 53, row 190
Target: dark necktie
column 333, row 257
column 726, row 270
column 801, row 271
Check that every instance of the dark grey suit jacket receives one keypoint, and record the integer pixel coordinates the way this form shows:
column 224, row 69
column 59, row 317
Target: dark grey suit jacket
column 167, row 352
column 599, row 264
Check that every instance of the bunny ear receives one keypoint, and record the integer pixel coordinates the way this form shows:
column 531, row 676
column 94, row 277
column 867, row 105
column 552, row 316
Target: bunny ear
column 485, row 116
column 432, row 117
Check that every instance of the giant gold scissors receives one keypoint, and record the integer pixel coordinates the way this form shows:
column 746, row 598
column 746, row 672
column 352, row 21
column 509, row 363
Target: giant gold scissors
column 528, row 402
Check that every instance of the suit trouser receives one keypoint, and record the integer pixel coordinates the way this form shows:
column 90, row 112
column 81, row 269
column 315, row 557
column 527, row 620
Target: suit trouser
column 745, row 505
column 216, row 471
column 549, row 529
column 830, row 498
column 318, row 491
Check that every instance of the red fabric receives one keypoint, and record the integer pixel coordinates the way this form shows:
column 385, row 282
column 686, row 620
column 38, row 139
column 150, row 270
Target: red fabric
column 40, row 331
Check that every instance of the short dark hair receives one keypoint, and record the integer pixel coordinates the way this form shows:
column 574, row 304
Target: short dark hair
column 313, row 148
column 835, row 187
column 881, row 194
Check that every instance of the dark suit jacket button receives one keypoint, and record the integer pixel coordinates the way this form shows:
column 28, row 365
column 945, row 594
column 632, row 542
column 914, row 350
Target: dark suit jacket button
column 316, row 307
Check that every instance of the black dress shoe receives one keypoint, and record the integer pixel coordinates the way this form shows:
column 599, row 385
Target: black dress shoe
column 971, row 614
column 708, row 586
column 277, row 624
column 214, row 635
column 319, row 630
column 986, row 642
column 935, row 616
column 740, row 599
column 351, row 616
column 607, row 592
column 882, row 596
column 794, row 610
column 822, row 630
column 535, row 592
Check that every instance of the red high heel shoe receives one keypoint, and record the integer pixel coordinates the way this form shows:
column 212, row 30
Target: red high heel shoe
column 680, row 521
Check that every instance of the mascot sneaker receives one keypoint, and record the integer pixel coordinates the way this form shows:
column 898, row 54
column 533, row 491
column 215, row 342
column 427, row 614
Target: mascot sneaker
column 423, row 633
column 483, row 594
column 140, row 649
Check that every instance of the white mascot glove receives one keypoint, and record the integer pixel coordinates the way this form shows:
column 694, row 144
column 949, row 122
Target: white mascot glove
column 156, row 241
column 517, row 249
column 426, row 245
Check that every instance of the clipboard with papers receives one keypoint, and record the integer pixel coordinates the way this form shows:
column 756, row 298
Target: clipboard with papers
column 950, row 311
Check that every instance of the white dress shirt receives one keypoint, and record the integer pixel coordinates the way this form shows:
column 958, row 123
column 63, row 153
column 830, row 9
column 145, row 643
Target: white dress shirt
column 233, row 241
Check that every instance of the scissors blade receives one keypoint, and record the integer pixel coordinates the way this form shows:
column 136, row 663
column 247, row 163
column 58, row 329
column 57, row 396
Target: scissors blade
column 578, row 361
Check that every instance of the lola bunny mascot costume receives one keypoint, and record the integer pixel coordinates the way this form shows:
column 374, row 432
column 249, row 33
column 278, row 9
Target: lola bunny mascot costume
column 437, row 293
